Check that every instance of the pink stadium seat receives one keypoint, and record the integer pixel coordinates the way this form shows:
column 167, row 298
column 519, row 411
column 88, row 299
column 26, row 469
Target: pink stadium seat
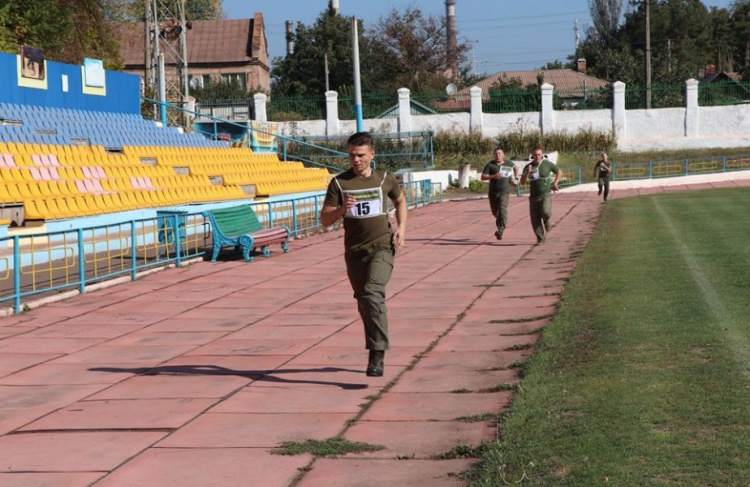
column 81, row 186
column 98, row 189
column 35, row 174
column 37, row 160
column 136, row 183
column 89, row 185
column 44, row 171
column 53, row 160
column 54, row 174
column 87, row 172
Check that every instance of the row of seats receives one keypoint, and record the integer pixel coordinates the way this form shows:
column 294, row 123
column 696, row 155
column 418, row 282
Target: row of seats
column 73, row 206
column 109, row 129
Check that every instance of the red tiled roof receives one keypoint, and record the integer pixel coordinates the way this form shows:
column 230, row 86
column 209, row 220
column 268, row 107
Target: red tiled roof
column 565, row 81
column 208, row 42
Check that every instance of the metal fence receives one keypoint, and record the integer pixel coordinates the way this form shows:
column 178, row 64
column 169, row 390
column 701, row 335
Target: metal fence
column 723, row 93
column 685, row 167
column 45, row 264
column 394, row 151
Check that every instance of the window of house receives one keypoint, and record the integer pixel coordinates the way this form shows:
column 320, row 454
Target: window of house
column 195, row 81
column 238, row 78
column 206, row 79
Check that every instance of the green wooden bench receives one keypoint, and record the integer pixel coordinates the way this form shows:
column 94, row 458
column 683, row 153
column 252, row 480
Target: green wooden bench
column 239, row 227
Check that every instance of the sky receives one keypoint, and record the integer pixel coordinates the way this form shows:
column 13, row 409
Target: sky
column 506, row 35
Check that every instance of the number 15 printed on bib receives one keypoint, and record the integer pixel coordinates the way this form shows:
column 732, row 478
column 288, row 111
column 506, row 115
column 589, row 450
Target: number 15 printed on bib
column 369, row 203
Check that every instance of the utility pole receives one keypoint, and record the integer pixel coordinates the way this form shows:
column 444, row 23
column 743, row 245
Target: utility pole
column 575, row 30
column 166, row 47
column 325, row 69
column 648, row 53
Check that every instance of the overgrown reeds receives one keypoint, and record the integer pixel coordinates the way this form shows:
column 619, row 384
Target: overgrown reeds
column 522, row 142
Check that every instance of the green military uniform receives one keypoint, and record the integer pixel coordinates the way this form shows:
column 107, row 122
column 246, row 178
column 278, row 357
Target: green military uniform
column 540, row 180
column 603, row 182
column 499, row 192
column 368, row 245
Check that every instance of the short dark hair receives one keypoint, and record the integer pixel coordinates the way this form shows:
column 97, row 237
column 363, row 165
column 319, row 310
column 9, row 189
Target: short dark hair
column 536, row 148
column 498, row 148
column 360, row 139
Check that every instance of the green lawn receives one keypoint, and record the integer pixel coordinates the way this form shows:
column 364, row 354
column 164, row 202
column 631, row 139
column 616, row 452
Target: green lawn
column 643, row 378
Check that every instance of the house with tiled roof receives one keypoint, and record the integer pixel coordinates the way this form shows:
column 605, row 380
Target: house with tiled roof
column 217, row 50
column 570, row 85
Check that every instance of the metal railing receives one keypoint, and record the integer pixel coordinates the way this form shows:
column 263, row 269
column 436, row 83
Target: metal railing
column 394, row 151
column 49, row 263
column 685, row 167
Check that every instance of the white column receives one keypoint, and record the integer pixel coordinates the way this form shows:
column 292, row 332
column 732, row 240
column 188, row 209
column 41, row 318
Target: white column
column 332, row 113
column 260, row 107
column 548, row 111
column 618, row 110
column 404, row 110
column 476, row 110
column 692, row 117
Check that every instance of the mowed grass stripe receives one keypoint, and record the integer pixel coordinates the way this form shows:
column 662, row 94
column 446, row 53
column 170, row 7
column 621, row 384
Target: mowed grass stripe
column 639, row 380
column 736, row 332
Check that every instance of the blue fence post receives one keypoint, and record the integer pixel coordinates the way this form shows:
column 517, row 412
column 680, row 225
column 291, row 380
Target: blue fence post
column 687, row 167
column 294, row 217
column 270, row 215
column 133, row 253
column 317, row 211
column 17, row 274
column 82, row 262
column 177, row 239
column 724, row 164
column 651, row 170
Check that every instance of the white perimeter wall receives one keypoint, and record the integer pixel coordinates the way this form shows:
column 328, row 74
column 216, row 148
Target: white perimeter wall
column 692, row 127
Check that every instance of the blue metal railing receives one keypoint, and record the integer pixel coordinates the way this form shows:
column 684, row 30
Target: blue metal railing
column 684, row 167
column 52, row 262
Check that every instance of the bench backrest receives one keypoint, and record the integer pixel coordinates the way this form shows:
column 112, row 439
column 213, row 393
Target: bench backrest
column 235, row 221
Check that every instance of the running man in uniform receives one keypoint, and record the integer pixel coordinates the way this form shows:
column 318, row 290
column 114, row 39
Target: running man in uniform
column 370, row 243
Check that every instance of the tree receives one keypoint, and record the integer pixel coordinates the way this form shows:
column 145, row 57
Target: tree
column 404, row 49
column 740, row 27
column 303, row 72
column 408, row 50
column 605, row 15
column 67, row 30
column 680, row 38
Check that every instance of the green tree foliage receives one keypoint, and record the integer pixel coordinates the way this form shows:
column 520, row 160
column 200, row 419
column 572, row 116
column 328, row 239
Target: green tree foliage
column 740, row 28
column 67, row 30
column 223, row 91
column 71, row 30
column 404, row 49
column 303, row 73
column 408, row 49
column 135, row 10
column 685, row 37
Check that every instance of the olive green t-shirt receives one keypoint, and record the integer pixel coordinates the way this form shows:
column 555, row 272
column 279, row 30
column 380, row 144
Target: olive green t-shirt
column 366, row 226
column 541, row 177
column 502, row 185
column 603, row 173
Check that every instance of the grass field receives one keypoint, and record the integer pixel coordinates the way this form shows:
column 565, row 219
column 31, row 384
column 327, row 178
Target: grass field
column 643, row 378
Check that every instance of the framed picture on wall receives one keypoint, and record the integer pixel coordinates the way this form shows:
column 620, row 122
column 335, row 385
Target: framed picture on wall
column 32, row 63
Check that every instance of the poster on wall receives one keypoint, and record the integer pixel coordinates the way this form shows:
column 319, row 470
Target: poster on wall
column 32, row 63
column 263, row 136
column 94, row 77
column 93, row 73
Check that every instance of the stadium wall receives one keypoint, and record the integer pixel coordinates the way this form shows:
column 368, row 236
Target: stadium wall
column 121, row 93
column 691, row 127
